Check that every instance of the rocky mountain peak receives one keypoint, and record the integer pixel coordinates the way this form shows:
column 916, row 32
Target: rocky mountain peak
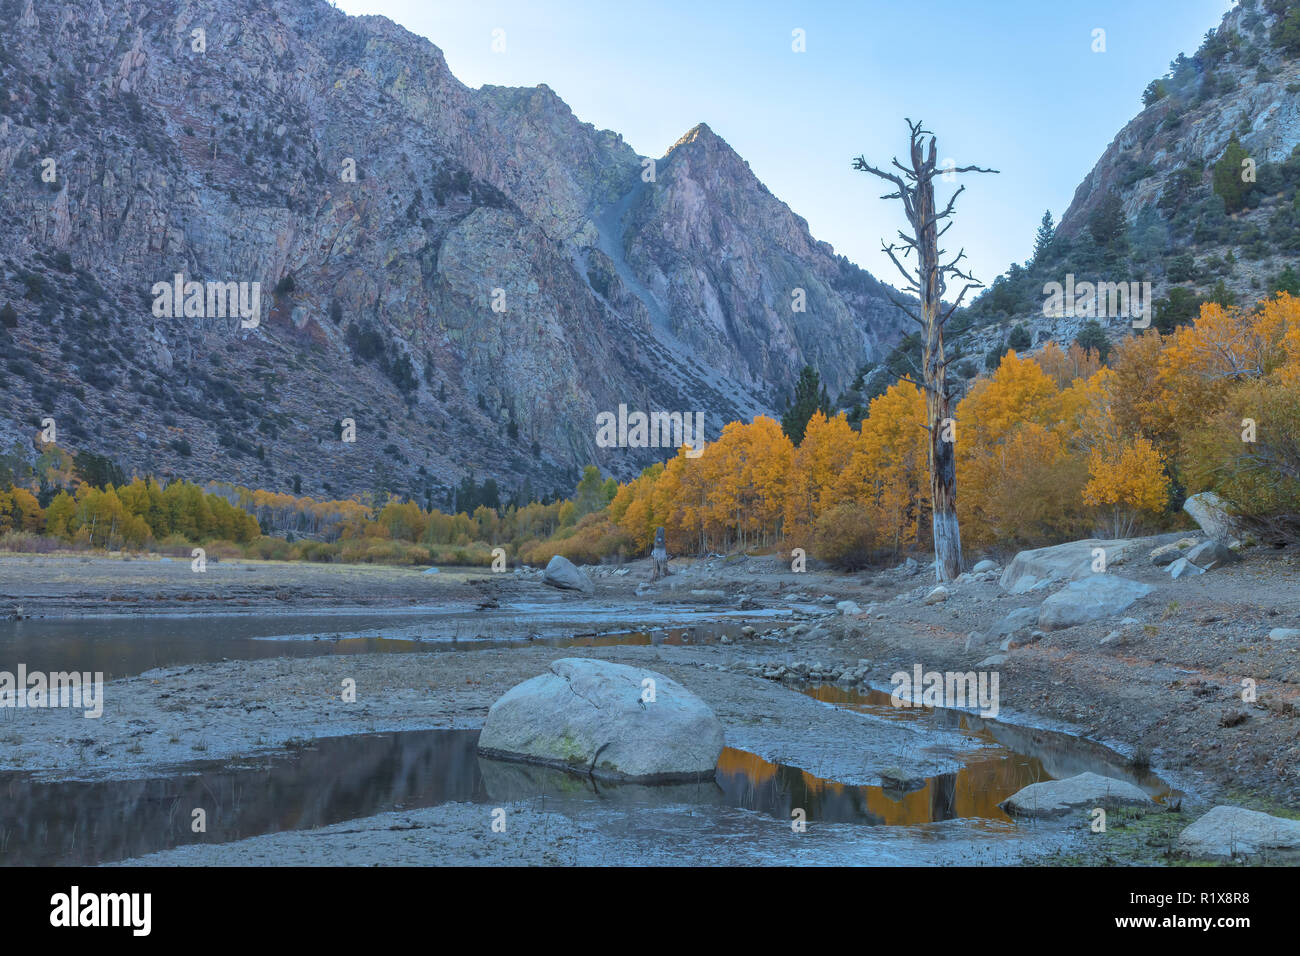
column 469, row 275
column 701, row 133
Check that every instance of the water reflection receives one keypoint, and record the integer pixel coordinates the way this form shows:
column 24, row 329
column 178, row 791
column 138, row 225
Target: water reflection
column 343, row 778
column 1051, row 754
column 125, row 647
column 333, row 779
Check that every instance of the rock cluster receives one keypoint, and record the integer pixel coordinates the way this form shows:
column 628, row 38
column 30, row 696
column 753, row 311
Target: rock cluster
column 797, row 671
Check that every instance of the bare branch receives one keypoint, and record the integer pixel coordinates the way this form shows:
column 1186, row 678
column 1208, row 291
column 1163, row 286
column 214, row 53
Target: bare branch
column 909, row 173
column 911, row 279
column 947, row 209
column 961, row 295
column 915, row 188
column 920, row 385
column 861, row 165
column 951, row 266
column 906, row 310
column 904, row 190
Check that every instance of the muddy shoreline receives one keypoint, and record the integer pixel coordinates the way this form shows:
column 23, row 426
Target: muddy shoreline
column 1166, row 691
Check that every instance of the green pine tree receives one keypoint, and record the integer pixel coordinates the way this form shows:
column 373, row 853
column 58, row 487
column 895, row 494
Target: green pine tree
column 589, row 496
column 1093, row 336
column 1043, row 238
column 809, row 397
column 1107, row 223
column 1228, row 184
column 1288, row 281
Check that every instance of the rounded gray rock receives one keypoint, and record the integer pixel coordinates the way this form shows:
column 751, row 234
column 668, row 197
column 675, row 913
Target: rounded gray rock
column 564, row 574
column 1086, row 790
column 609, row 720
column 1228, row 832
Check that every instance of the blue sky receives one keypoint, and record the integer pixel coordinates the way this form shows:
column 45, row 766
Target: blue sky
column 1013, row 84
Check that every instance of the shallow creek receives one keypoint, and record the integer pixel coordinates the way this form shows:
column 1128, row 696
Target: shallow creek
column 334, row 779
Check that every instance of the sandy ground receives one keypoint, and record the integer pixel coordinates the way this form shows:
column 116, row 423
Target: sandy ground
column 460, row 834
column 73, row 586
column 1167, row 687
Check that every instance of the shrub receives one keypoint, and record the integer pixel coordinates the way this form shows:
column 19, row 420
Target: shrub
column 1260, row 480
column 846, row 537
column 25, row 542
column 318, row 551
column 1107, row 222
column 271, row 549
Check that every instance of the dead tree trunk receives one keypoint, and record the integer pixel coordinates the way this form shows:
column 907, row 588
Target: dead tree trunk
column 928, row 281
column 659, row 555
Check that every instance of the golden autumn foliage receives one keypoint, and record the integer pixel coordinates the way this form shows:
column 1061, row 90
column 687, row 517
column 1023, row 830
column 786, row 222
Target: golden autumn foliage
column 743, row 480
column 1127, row 478
column 19, row 511
column 888, row 477
column 817, row 472
column 1137, row 396
column 1233, row 380
column 1063, row 367
column 1018, row 473
column 1050, row 447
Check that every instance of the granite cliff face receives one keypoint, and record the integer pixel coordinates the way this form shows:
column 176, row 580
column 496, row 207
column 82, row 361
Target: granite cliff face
column 470, row 275
column 1199, row 188
column 1238, row 84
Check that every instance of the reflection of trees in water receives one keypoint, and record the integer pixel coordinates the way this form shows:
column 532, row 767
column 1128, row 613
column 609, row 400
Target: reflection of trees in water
column 943, row 796
column 1037, row 754
column 336, row 779
column 78, row 823
column 1056, row 755
column 750, row 782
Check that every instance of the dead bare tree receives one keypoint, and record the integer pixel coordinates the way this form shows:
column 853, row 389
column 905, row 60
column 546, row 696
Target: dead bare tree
column 929, row 281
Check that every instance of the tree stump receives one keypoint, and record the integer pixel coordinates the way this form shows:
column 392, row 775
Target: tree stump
column 659, row 555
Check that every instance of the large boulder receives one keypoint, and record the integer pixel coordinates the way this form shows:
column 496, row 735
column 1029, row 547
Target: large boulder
column 563, row 573
column 1211, row 512
column 1054, row 798
column 593, row 716
column 1228, row 832
column 1042, row 567
column 1093, row 598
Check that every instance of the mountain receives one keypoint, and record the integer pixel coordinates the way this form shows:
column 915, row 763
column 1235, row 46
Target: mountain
column 469, row 275
column 1200, row 188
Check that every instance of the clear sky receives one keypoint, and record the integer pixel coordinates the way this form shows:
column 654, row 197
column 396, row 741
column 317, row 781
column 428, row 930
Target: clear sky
column 1011, row 84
